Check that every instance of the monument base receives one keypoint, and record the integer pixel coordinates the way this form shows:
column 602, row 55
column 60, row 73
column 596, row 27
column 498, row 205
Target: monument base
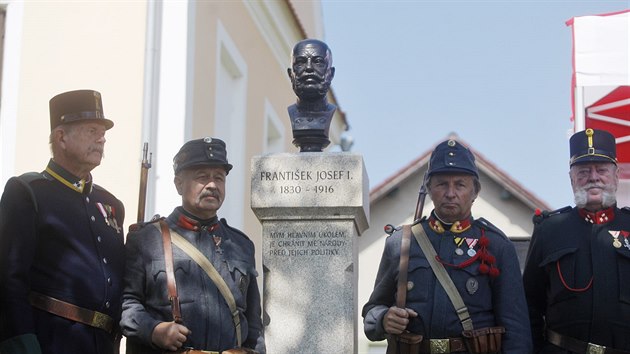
column 312, row 207
column 310, row 286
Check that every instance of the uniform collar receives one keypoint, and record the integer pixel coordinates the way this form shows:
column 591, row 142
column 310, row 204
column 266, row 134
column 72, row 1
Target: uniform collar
column 71, row 181
column 187, row 221
column 598, row 217
column 456, row 227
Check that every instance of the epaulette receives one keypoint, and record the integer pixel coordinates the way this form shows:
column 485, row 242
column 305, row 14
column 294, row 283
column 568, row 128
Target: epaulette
column 138, row 226
column 483, row 223
column 224, row 222
column 626, row 210
column 539, row 215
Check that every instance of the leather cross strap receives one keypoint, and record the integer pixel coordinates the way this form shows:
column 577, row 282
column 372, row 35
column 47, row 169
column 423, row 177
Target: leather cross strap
column 71, row 312
column 405, row 244
column 442, row 276
column 192, row 251
column 171, row 285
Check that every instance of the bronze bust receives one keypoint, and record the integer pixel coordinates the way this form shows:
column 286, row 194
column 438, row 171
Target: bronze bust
column 311, row 73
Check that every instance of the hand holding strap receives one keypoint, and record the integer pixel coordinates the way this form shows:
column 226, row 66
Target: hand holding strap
column 206, row 265
column 405, row 244
column 170, row 274
column 192, row 252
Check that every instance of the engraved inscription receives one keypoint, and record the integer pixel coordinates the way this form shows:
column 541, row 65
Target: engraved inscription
column 306, row 243
column 305, row 181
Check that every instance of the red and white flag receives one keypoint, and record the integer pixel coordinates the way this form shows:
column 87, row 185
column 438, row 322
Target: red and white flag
column 601, row 81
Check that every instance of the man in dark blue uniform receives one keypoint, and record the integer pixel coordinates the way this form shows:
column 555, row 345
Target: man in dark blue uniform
column 207, row 323
column 478, row 257
column 577, row 273
column 61, row 242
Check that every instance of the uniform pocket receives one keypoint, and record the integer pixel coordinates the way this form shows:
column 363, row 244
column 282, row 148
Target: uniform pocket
column 560, row 265
column 181, row 268
column 242, row 273
column 419, row 279
column 474, row 287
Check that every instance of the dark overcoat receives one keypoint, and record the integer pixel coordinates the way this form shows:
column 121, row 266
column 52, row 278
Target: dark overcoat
column 491, row 301
column 204, row 310
column 577, row 283
column 63, row 239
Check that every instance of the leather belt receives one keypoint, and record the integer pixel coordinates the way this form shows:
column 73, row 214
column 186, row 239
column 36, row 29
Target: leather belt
column 442, row 346
column 71, row 312
column 578, row 346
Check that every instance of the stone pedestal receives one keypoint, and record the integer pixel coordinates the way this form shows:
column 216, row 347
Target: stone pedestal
column 312, row 207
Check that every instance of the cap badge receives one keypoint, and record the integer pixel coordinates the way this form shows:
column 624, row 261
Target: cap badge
column 589, row 133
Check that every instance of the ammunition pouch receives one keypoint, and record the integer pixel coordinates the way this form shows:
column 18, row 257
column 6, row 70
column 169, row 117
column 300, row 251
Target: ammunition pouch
column 239, row 351
column 404, row 343
column 197, row 351
column 484, row 340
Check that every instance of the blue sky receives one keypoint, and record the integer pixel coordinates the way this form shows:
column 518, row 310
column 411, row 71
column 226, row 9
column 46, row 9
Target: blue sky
column 496, row 73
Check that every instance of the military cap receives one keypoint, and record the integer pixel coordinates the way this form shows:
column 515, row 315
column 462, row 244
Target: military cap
column 451, row 156
column 75, row 106
column 592, row 145
column 202, row 152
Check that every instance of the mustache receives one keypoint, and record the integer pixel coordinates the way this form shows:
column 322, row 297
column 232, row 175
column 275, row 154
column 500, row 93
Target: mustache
column 311, row 76
column 206, row 194
column 593, row 185
column 97, row 148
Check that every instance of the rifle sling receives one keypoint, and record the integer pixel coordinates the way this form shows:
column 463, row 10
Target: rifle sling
column 171, row 285
column 442, row 276
column 405, row 244
column 205, row 264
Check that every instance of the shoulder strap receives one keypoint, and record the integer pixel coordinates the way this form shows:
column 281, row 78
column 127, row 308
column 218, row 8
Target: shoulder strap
column 170, row 274
column 442, row 276
column 206, row 265
column 405, row 244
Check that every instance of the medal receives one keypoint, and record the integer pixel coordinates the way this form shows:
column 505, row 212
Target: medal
column 625, row 235
column 472, row 285
column 459, row 251
column 471, row 246
column 615, row 235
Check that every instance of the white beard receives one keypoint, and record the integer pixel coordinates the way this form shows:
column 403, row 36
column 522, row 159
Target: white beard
column 609, row 197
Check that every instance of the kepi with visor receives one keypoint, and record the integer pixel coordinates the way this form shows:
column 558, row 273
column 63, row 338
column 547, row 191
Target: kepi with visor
column 452, row 157
column 202, row 152
column 76, row 106
column 592, row 145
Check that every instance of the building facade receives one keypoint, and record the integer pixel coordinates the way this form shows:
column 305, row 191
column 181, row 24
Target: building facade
column 168, row 72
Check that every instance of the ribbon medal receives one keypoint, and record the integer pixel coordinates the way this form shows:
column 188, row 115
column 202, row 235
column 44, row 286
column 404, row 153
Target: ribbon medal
column 471, row 246
column 109, row 214
column 615, row 235
column 625, row 235
column 459, row 241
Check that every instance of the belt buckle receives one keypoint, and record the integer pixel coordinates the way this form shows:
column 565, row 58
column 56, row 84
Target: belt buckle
column 595, row 349
column 100, row 320
column 440, row 346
